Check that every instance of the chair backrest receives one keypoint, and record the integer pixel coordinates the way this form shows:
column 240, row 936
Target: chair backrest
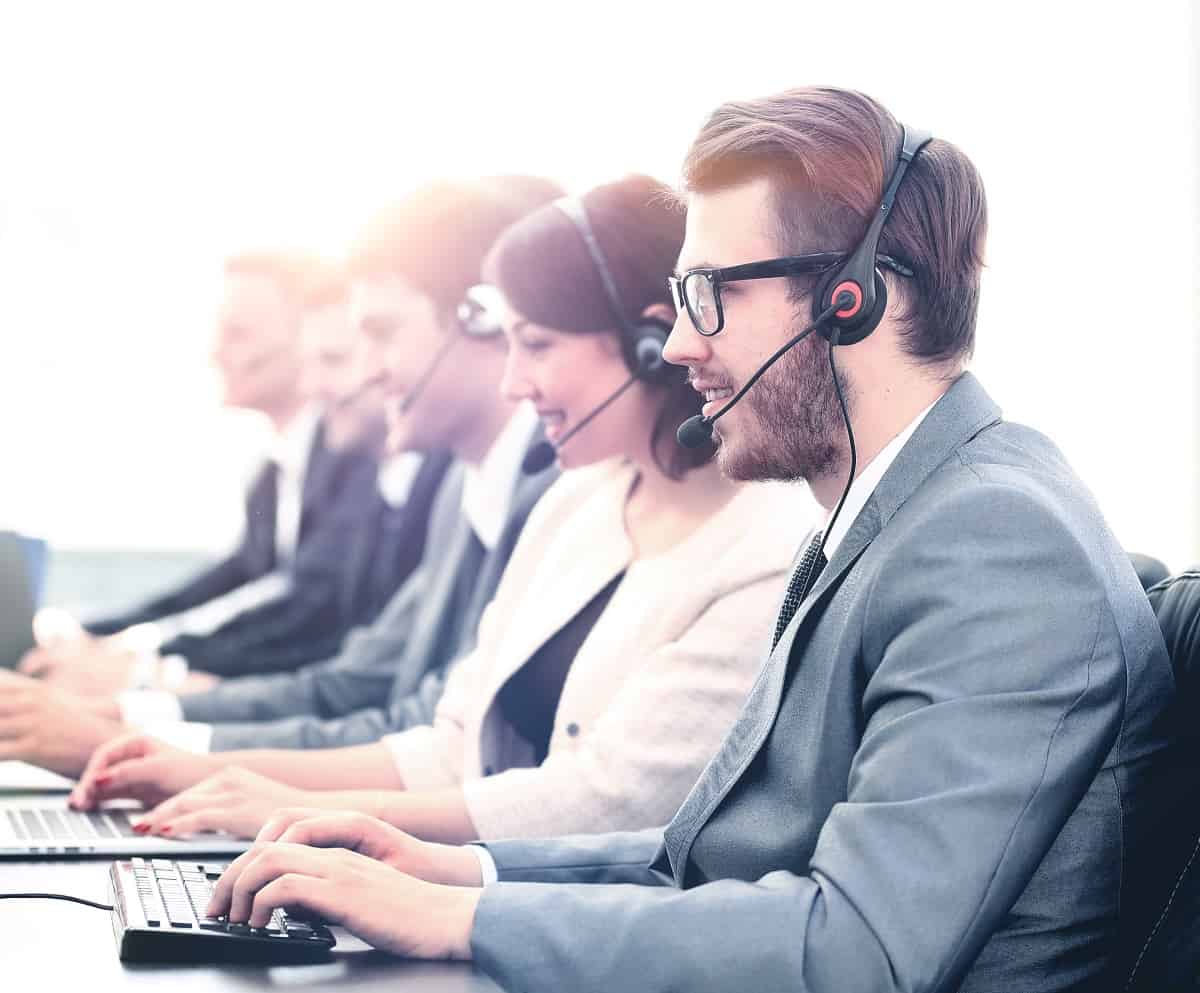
column 1159, row 947
column 1149, row 569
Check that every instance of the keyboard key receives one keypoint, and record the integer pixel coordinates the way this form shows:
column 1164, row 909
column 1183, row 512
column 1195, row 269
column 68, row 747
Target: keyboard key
column 80, row 826
column 100, row 823
column 58, row 827
column 33, row 825
column 124, row 826
column 16, row 824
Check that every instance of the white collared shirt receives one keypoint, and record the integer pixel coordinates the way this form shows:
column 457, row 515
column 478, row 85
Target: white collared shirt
column 290, row 452
column 865, row 482
column 488, row 487
column 396, row 476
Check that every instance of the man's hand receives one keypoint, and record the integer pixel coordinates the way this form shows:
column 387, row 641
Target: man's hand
column 47, row 726
column 380, row 905
column 140, row 767
column 453, row 865
column 234, row 800
column 87, row 665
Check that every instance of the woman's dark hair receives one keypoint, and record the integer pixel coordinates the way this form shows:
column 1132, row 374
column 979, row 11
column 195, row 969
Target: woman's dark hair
column 543, row 268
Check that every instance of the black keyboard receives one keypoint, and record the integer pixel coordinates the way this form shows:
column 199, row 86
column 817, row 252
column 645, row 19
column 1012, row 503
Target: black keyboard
column 159, row 916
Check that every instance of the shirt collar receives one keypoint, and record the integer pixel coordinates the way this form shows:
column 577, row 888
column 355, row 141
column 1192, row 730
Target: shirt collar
column 290, row 448
column 866, row 481
column 488, row 487
column 396, row 476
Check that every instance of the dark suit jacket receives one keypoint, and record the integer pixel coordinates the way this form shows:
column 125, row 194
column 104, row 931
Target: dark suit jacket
column 388, row 676
column 330, row 478
column 368, row 547
column 936, row 782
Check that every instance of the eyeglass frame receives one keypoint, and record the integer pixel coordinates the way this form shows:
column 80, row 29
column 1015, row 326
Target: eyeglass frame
column 812, row 264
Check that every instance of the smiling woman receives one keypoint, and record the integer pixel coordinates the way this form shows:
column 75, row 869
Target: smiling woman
column 577, row 274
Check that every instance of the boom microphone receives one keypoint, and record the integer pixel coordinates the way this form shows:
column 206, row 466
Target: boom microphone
column 543, row 453
column 698, row 429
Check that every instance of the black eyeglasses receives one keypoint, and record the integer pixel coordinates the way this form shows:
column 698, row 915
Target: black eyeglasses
column 698, row 291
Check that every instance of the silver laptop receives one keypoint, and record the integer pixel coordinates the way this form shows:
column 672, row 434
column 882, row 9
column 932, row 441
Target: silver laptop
column 18, row 595
column 46, row 826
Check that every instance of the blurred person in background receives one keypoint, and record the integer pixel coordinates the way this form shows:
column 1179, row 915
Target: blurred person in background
column 376, row 540
column 294, row 511
column 440, row 371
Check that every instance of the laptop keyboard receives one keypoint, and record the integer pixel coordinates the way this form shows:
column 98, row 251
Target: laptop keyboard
column 48, row 823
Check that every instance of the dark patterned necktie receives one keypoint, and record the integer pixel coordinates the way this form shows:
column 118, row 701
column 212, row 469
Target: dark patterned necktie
column 803, row 580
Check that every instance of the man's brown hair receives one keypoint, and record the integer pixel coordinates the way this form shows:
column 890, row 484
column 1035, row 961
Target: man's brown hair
column 436, row 238
column 828, row 154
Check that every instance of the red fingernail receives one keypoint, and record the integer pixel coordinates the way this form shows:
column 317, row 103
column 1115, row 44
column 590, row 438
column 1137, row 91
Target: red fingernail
column 141, row 828
column 103, row 780
column 165, row 829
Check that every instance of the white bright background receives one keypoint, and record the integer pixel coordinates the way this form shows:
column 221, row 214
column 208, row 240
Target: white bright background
column 140, row 143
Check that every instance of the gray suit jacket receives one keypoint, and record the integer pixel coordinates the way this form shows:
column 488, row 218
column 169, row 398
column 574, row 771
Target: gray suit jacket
column 932, row 782
column 388, row 676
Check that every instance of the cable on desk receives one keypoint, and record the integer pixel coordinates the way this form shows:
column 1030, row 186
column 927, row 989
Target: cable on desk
column 55, row 896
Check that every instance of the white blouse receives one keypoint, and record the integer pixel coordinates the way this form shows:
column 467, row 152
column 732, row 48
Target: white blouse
column 653, row 689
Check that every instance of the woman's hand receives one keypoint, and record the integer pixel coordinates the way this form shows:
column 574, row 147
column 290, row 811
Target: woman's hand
column 234, row 800
column 380, row 905
column 140, row 767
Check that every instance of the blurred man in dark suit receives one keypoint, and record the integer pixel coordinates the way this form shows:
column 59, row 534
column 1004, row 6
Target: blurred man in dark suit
column 288, row 592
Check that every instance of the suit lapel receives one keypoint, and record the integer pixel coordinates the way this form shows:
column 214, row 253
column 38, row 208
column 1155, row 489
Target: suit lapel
column 962, row 412
column 547, row 607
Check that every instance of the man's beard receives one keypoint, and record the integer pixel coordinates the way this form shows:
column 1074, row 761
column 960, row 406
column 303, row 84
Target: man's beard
column 795, row 419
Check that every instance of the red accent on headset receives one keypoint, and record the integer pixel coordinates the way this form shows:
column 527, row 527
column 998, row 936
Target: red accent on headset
column 851, row 287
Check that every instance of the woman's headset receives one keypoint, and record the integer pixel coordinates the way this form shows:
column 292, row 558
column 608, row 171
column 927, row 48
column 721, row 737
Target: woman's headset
column 642, row 340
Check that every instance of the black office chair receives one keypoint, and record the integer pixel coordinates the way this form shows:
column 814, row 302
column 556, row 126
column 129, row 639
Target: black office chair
column 1149, row 569
column 1159, row 947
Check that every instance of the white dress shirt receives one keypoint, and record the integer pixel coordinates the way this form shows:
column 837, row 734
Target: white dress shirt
column 487, row 493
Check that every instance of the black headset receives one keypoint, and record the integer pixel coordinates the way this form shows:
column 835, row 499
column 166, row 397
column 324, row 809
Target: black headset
column 858, row 275
column 642, row 341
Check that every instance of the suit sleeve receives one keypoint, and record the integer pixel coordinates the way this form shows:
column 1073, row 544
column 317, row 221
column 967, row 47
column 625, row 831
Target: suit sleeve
column 620, row 857
column 282, row 633
column 309, row 622
column 429, row 756
column 240, row 566
column 361, row 675
column 995, row 690
column 217, row 580
column 362, row 727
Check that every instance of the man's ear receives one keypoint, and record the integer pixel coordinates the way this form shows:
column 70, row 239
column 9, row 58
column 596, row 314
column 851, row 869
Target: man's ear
column 660, row 312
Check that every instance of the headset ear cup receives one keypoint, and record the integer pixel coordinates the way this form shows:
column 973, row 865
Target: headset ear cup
column 643, row 345
column 856, row 328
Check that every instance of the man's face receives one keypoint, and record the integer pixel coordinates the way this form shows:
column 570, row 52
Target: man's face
column 337, row 376
column 787, row 425
column 257, row 346
column 403, row 339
